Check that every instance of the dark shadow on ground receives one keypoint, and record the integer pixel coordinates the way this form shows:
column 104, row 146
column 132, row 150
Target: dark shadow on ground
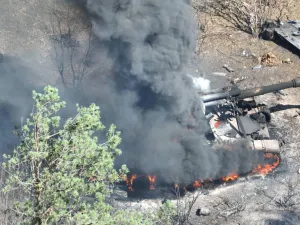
column 285, row 44
column 287, row 218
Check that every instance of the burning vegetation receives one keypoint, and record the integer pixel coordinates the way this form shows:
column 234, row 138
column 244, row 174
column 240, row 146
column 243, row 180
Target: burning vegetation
column 271, row 162
column 267, row 168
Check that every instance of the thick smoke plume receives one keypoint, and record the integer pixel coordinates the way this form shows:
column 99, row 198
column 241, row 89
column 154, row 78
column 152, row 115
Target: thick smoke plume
column 15, row 98
column 142, row 52
column 147, row 94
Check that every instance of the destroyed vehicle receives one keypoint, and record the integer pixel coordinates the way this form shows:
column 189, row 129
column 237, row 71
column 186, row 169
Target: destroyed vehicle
column 234, row 115
column 288, row 31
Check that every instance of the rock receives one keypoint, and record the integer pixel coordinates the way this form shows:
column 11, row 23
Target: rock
column 281, row 92
column 244, row 53
column 203, row 211
column 119, row 194
column 205, row 192
column 287, row 61
column 219, row 74
column 257, row 67
column 247, row 53
column 267, row 34
column 239, row 79
column 299, row 171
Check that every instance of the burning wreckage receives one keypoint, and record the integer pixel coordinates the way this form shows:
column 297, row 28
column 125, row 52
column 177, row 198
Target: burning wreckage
column 150, row 46
column 233, row 115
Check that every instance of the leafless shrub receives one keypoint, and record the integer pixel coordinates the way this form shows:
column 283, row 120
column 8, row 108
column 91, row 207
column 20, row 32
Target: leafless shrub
column 286, row 195
column 70, row 35
column 184, row 206
column 232, row 206
column 248, row 16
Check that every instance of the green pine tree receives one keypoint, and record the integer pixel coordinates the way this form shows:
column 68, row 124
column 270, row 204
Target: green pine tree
column 62, row 169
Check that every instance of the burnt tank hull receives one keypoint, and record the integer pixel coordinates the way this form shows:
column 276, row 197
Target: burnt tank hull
column 290, row 32
column 234, row 115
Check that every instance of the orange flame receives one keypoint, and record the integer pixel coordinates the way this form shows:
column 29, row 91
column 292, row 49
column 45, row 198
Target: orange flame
column 198, row 184
column 267, row 168
column 263, row 169
column 129, row 181
column 230, row 177
column 152, row 180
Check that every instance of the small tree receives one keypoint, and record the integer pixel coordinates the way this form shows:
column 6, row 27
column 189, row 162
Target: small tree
column 63, row 171
column 71, row 39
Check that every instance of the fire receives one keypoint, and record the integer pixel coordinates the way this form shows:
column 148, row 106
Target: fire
column 198, row 184
column 267, row 168
column 263, row 169
column 230, row 177
column 129, row 181
column 152, row 180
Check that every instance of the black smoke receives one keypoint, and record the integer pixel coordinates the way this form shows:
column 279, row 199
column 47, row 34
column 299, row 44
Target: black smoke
column 15, row 98
column 147, row 46
column 142, row 50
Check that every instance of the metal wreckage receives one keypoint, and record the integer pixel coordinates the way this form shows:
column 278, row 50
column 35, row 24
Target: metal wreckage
column 234, row 115
column 287, row 31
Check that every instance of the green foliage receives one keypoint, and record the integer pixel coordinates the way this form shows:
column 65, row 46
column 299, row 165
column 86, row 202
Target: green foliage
column 62, row 170
column 167, row 213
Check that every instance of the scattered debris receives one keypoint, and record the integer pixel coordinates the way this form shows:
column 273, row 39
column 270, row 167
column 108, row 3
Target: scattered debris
column 281, row 92
column 269, row 59
column 296, row 33
column 257, row 67
column 219, row 74
column 229, row 69
column 287, row 61
column 239, row 79
column 203, row 211
column 246, row 53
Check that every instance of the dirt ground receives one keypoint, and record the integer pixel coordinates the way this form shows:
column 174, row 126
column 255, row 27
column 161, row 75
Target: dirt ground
column 243, row 52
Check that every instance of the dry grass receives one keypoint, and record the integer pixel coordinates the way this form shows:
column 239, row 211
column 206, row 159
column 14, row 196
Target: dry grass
column 219, row 28
column 248, row 16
